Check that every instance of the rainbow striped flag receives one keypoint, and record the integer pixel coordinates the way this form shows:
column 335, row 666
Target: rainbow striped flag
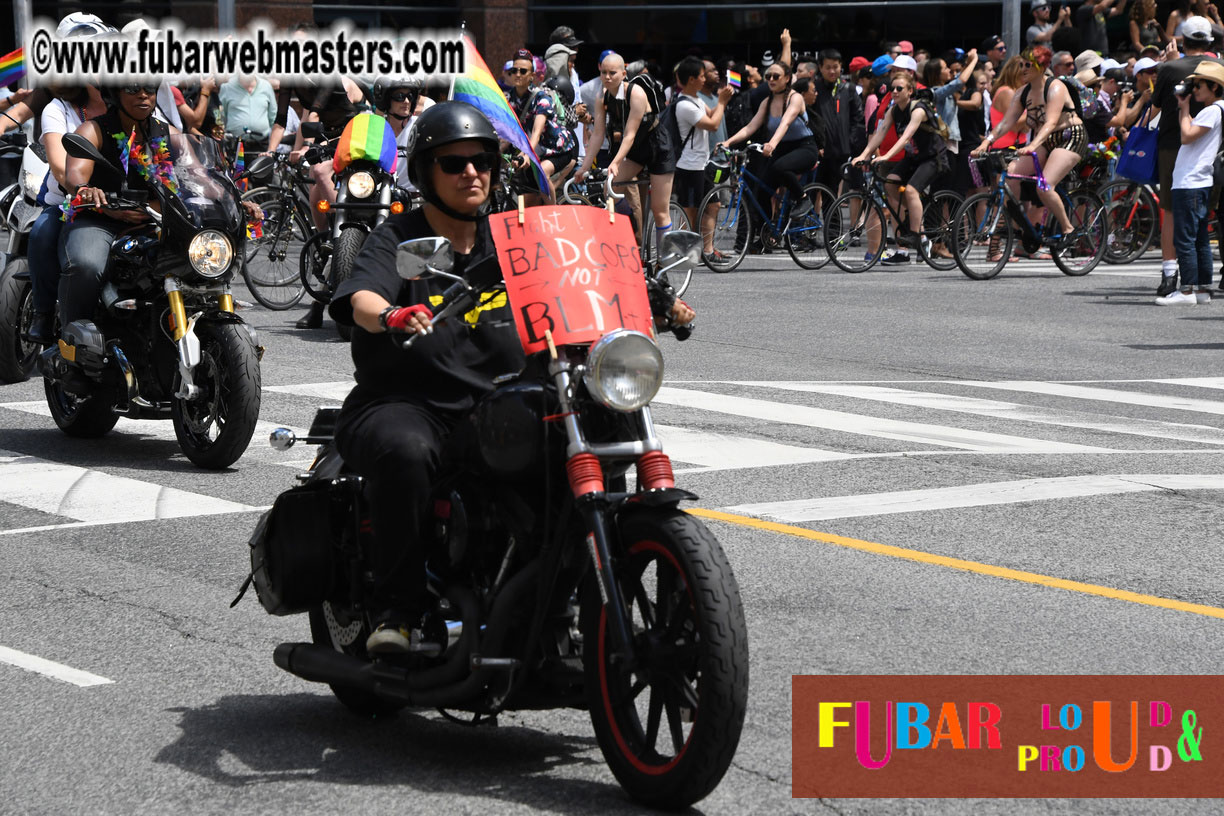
column 12, row 67
column 733, row 79
column 477, row 87
column 366, row 137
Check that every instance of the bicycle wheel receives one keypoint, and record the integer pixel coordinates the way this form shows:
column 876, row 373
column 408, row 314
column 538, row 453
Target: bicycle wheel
column 1133, row 220
column 854, row 232
column 1087, row 246
column 805, row 236
column 726, row 229
column 938, row 214
column 982, row 236
column 270, row 265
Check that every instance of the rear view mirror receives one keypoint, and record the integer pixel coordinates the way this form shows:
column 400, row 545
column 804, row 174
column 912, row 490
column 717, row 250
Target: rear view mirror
column 425, row 257
column 681, row 244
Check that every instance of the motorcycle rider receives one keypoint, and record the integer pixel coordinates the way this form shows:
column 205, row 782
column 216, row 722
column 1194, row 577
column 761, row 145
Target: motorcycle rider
column 406, row 402
column 396, row 99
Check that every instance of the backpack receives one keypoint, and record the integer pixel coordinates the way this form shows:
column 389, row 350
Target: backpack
column 934, row 122
column 656, row 98
column 738, row 112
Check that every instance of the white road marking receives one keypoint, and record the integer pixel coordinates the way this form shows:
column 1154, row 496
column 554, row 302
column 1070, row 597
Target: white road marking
column 920, row 432
column 722, row 452
column 96, row 497
column 335, row 391
column 976, row 495
column 1197, row 382
column 1202, row 434
column 159, row 428
column 50, row 668
column 1104, row 395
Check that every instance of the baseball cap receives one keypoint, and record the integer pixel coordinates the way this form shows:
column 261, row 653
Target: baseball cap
column 523, row 53
column 906, row 47
column 881, row 65
column 1109, row 64
column 603, row 55
column 565, row 36
column 1039, row 4
column 906, row 62
column 1087, row 60
column 1145, row 64
column 858, row 63
column 1197, row 29
column 558, row 48
column 1116, row 74
column 990, row 42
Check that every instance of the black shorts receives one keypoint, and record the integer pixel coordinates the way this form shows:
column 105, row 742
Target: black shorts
column 561, row 160
column 690, row 186
column 918, row 173
column 655, row 151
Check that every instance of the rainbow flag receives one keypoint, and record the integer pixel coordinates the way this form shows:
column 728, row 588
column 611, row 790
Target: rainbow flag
column 239, row 166
column 367, row 137
column 12, row 67
column 733, row 79
column 477, row 87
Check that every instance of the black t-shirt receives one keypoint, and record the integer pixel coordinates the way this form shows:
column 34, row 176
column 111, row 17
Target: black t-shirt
column 1171, row 73
column 1091, row 26
column 450, row 368
column 972, row 122
column 927, row 143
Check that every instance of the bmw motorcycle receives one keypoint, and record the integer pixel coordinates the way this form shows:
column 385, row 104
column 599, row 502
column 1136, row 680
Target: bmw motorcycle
column 166, row 342
column 20, row 209
column 364, row 162
column 554, row 584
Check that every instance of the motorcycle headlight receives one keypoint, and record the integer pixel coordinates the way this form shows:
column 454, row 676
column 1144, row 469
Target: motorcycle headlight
column 624, row 370
column 361, row 185
column 210, row 253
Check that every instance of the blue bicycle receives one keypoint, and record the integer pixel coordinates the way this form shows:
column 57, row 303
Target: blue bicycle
column 731, row 213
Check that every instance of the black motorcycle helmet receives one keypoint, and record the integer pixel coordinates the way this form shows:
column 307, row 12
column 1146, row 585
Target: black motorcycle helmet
column 443, row 124
column 384, row 85
column 563, row 87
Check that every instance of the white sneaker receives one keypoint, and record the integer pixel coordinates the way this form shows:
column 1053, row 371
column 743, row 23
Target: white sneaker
column 1202, row 296
column 1177, row 298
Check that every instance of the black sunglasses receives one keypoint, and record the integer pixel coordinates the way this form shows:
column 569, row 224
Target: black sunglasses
column 519, row 71
column 136, row 88
column 453, row 165
column 401, row 96
column 896, row 88
column 773, row 76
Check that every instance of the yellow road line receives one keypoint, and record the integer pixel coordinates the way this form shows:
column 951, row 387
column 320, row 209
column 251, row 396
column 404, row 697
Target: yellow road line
column 960, row 564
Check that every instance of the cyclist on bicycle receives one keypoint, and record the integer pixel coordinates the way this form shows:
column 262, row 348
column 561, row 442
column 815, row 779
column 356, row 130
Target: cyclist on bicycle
column 926, row 154
column 1057, row 137
column 791, row 148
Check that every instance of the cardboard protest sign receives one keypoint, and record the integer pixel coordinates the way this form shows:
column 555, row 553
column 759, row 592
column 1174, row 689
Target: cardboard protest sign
column 570, row 272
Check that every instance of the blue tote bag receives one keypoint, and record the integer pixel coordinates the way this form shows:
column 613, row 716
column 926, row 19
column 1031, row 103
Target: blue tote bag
column 1138, row 159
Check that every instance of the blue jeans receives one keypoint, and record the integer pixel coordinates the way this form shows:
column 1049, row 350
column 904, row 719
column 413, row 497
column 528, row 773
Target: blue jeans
column 44, row 258
column 84, row 250
column 1190, row 236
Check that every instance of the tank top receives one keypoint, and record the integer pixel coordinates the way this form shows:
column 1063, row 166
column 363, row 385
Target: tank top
column 927, row 144
column 147, row 132
column 798, row 128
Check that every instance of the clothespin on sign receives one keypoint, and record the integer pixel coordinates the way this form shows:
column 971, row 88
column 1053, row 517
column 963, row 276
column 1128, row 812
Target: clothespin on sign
column 611, row 210
column 552, row 347
column 522, row 211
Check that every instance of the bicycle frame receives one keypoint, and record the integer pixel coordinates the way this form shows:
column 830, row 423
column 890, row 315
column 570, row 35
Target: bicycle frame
column 741, row 186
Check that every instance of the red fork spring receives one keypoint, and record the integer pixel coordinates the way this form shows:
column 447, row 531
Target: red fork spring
column 654, row 471
column 585, row 474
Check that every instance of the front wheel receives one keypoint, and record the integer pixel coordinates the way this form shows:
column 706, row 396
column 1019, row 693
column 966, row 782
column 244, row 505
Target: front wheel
column 214, row 429
column 17, row 354
column 1087, row 245
column 1133, row 221
column 669, row 724
column 854, row 232
column 982, row 236
column 805, row 235
column 725, row 227
column 348, row 244
column 938, row 218
column 270, row 268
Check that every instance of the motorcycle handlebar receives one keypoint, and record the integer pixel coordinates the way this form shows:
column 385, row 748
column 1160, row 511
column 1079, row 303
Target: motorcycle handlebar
column 452, row 302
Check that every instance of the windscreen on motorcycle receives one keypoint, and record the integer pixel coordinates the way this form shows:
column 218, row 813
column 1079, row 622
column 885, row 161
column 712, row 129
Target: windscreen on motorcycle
column 195, row 183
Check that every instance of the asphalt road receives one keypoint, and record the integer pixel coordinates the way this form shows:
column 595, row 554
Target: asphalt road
column 1065, row 427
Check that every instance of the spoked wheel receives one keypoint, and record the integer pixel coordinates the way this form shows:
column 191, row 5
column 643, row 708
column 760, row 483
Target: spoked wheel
column 854, row 232
column 271, row 270
column 669, row 724
column 650, row 241
column 805, row 236
column 346, row 631
column 1081, row 255
column 938, row 216
column 17, row 354
column 725, row 227
column 214, row 429
column 982, row 236
column 1133, row 221
column 314, row 266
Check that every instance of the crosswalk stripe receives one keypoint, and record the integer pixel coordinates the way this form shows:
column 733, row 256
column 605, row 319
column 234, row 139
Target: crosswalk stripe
column 335, row 391
column 1103, row 395
column 1014, row 411
column 96, row 497
column 1197, row 382
column 723, row 452
column 977, row 495
column 940, row 435
column 49, row 668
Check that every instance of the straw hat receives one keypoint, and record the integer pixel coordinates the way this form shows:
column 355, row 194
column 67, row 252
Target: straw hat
column 1210, row 71
column 1088, row 77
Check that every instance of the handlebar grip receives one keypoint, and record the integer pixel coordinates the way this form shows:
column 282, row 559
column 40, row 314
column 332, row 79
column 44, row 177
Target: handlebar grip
column 450, row 298
column 609, row 192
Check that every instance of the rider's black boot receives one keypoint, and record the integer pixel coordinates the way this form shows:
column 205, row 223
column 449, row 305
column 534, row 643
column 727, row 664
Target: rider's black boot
column 313, row 319
column 42, row 328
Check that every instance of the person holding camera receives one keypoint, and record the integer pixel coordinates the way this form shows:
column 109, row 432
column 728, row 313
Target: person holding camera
column 1193, row 183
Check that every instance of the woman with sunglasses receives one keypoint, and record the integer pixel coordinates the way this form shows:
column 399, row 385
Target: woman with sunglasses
column 914, row 122
column 791, row 147
column 522, row 86
column 1056, row 137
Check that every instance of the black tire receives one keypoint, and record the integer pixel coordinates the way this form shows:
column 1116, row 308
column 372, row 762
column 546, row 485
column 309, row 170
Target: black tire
column 982, row 236
column 17, row 355
column 1091, row 225
column 697, row 650
column 725, row 227
column 348, row 636
column 82, row 417
column 805, row 236
column 215, row 429
column 854, row 232
column 348, row 244
column 938, row 217
column 1134, row 220
column 271, row 267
